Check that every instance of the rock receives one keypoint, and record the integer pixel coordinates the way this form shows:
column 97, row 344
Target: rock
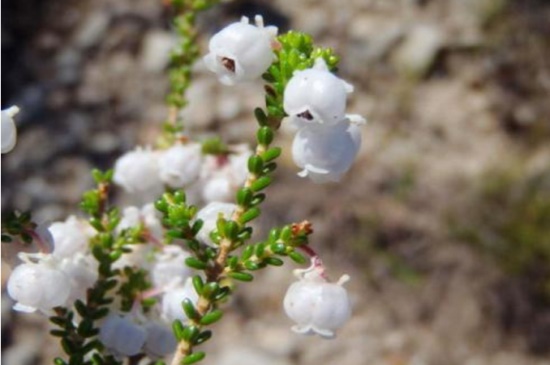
column 417, row 54
column 155, row 54
column 241, row 355
column 92, row 30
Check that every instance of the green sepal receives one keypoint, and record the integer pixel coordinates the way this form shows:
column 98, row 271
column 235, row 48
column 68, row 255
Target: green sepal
column 193, row 358
column 211, row 317
column 241, row 276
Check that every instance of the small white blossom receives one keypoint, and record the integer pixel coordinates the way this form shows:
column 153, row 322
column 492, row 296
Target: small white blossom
column 169, row 268
column 121, row 336
column 316, row 96
column 241, row 51
column 9, row 131
column 82, row 271
column 209, row 215
column 138, row 172
column 41, row 286
column 160, row 340
column 180, row 165
column 147, row 215
column 172, row 299
column 222, row 176
column 70, row 237
column 316, row 305
column 325, row 153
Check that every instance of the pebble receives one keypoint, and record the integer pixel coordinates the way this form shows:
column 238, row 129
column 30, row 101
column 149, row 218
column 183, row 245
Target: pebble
column 155, row 54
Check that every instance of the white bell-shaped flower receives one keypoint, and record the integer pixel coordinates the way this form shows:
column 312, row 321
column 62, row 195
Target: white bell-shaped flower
column 39, row 286
column 325, row 153
column 241, row 51
column 138, row 172
column 209, row 215
column 180, row 165
column 160, row 340
column 147, row 215
column 70, row 237
column 121, row 336
column 172, row 299
column 169, row 268
column 82, row 271
column 9, row 131
column 222, row 176
column 316, row 96
column 316, row 305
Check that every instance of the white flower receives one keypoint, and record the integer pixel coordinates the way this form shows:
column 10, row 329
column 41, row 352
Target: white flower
column 209, row 215
column 9, row 131
column 169, row 268
column 121, row 336
column 325, row 153
column 316, row 305
column 241, row 51
column 39, row 286
column 147, row 215
column 138, row 172
column 222, row 176
column 316, row 96
column 70, row 237
column 160, row 340
column 82, row 271
column 172, row 299
column 180, row 165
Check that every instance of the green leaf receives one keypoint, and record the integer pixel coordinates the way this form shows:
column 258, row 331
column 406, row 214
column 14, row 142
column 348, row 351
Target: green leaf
column 211, row 317
column 286, row 233
column 231, row 230
column 190, row 333
column 247, row 253
column 210, row 290
column 255, row 164
column 178, row 329
column 260, row 116
column 258, row 199
column 189, row 309
column 193, row 358
column 198, row 284
column 278, row 248
column 271, row 154
column 59, row 361
column 265, row 135
column 297, row 258
column 241, row 276
column 274, row 261
column 244, row 197
column 251, row 265
column 195, row 263
column 203, row 337
column 249, row 215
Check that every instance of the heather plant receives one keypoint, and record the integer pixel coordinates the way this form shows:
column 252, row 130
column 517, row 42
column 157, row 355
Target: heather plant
column 149, row 281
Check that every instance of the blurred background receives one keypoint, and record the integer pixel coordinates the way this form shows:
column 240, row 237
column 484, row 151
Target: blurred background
column 443, row 223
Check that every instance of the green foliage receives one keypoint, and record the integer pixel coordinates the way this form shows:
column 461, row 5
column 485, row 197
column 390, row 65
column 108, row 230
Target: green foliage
column 17, row 225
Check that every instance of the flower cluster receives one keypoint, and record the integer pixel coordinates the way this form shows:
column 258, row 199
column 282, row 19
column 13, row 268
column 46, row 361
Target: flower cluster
column 206, row 178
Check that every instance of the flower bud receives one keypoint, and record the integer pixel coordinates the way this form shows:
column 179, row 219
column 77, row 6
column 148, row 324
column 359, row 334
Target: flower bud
column 325, row 153
column 9, row 131
column 180, row 165
column 241, row 51
column 316, row 96
column 160, row 340
column 316, row 305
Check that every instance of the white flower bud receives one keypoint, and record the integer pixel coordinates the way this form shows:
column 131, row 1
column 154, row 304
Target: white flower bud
column 317, row 306
column 39, row 286
column 138, row 172
column 325, row 153
column 169, row 268
column 171, row 301
column 316, row 96
column 209, row 215
column 180, row 165
column 70, row 237
column 9, row 131
column 160, row 340
column 121, row 336
column 241, row 51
